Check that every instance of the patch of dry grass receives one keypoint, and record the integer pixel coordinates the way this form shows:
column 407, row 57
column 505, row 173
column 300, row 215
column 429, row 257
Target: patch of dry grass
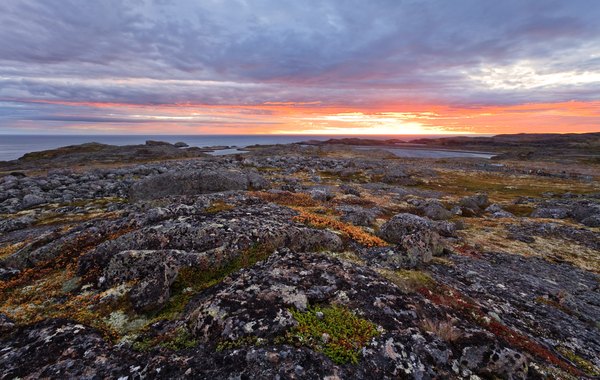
column 410, row 281
column 445, row 330
column 504, row 187
column 491, row 235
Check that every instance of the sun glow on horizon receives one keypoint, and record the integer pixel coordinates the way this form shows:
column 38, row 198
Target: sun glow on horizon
column 315, row 118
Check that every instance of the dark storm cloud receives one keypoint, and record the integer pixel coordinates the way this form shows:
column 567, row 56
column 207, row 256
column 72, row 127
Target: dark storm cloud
column 337, row 52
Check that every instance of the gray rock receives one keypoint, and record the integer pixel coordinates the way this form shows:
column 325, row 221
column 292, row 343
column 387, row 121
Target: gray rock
column 584, row 210
column 321, row 193
column 435, row 211
column 550, row 213
column 445, row 228
column 31, row 200
column 416, row 239
column 473, row 205
column 153, row 271
column 497, row 212
column 359, row 216
column 350, row 190
column 6, row 324
column 196, row 182
column 502, row 214
column 592, row 221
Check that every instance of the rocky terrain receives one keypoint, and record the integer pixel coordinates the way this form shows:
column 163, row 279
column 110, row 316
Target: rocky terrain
column 297, row 262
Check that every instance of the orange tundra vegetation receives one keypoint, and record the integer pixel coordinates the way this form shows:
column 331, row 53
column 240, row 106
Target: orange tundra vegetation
column 303, row 204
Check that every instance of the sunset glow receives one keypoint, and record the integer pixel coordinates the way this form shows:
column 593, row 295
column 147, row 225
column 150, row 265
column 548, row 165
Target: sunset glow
column 274, row 68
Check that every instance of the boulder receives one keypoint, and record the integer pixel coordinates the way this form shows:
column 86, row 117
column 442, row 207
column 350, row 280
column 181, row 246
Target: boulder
column 322, row 193
column 435, row 211
column 592, row 221
column 587, row 213
column 416, row 238
column 497, row 212
column 31, row 200
column 196, row 182
column 445, row 228
column 359, row 216
column 473, row 205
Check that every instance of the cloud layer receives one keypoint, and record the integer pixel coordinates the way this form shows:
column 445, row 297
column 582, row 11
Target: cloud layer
column 72, row 65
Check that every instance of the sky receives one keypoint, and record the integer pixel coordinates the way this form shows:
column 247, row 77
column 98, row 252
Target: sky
column 299, row 67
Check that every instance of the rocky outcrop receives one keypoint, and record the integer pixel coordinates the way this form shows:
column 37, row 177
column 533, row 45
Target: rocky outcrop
column 581, row 236
column 565, row 299
column 197, row 275
column 153, row 272
column 196, row 182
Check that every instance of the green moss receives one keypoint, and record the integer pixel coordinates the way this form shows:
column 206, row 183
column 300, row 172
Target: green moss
column 334, row 330
column 589, row 368
column 178, row 339
column 192, row 280
column 245, row 341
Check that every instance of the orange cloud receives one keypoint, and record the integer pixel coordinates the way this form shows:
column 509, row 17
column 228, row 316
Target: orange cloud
column 318, row 118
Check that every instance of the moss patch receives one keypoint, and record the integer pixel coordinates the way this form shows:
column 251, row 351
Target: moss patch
column 175, row 340
column 589, row 368
column 333, row 330
column 245, row 341
column 409, row 281
column 192, row 280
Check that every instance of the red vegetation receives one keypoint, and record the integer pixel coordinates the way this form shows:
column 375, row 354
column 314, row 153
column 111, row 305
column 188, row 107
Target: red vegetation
column 452, row 298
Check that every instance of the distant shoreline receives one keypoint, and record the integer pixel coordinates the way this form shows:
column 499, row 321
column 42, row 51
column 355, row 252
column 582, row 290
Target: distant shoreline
column 15, row 146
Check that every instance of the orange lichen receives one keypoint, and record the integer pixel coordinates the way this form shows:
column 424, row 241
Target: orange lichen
column 287, row 198
column 355, row 233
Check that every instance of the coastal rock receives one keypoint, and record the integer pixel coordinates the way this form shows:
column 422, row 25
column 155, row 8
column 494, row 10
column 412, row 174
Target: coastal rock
column 157, row 143
column 213, row 283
